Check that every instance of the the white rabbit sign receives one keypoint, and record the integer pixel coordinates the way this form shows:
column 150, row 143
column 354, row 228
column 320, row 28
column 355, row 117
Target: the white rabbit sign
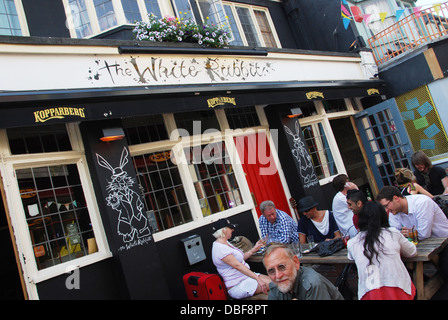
column 132, row 224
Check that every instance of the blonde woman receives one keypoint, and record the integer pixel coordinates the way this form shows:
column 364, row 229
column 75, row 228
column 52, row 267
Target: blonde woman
column 407, row 183
column 240, row 281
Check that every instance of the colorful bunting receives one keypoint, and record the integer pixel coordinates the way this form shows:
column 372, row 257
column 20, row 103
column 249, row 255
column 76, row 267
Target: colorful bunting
column 398, row 14
column 357, row 15
column 417, row 11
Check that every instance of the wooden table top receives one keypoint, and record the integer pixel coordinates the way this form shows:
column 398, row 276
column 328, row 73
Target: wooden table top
column 426, row 250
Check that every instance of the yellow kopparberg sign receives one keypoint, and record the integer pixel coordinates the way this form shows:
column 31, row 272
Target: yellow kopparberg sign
column 58, row 113
column 219, row 101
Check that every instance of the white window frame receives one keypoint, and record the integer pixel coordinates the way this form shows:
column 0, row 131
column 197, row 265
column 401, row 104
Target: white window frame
column 22, row 18
column 251, row 8
column 8, row 166
column 178, row 145
column 324, row 118
column 165, row 9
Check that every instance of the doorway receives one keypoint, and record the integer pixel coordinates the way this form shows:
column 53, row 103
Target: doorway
column 11, row 287
column 261, row 171
column 352, row 155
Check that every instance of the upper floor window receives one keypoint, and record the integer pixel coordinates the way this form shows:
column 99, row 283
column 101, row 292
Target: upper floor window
column 89, row 17
column 249, row 25
column 9, row 19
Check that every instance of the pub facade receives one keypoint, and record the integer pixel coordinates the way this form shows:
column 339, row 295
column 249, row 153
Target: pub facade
column 117, row 155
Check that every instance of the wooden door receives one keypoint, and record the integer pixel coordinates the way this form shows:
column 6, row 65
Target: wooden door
column 261, row 171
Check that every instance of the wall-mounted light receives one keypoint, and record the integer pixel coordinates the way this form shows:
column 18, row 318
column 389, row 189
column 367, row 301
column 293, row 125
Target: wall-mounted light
column 112, row 134
column 295, row 112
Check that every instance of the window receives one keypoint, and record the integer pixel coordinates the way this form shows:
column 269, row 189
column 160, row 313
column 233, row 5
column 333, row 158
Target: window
column 81, row 20
column 9, row 19
column 51, row 198
column 183, row 8
column 163, row 191
column 145, row 129
column 236, row 37
column 196, row 122
column 186, row 180
column 152, row 6
column 213, row 178
column 319, row 150
column 56, row 213
column 244, row 117
column 213, row 10
column 105, row 13
column 87, row 18
column 50, row 138
column 131, row 11
column 265, row 29
column 251, row 26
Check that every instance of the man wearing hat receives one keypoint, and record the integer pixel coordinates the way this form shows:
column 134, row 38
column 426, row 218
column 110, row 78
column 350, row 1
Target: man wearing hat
column 317, row 223
column 276, row 225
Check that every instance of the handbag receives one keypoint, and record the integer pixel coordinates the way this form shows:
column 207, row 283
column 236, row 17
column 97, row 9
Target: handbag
column 342, row 283
column 327, row 248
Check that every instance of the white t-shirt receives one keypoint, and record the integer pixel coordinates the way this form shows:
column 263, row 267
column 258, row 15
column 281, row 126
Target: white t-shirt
column 390, row 270
column 343, row 215
column 424, row 214
column 230, row 275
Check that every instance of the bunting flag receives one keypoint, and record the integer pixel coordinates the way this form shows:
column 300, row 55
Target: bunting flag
column 398, row 14
column 59, row 205
column 345, row 14
column 417, row 11
column 357, row 15
column 366, row 18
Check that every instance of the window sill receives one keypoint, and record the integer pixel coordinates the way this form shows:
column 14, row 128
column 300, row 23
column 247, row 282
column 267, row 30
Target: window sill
column 69, row 266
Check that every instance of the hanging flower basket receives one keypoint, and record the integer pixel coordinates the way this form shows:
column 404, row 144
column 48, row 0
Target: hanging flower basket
column 171, row 29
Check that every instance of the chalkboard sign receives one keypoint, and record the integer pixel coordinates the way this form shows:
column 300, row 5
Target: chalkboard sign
column 299, row 150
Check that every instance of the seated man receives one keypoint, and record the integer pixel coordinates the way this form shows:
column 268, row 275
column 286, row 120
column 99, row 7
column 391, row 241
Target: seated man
column 418, row 211
column 276, row 225
column 290, row 281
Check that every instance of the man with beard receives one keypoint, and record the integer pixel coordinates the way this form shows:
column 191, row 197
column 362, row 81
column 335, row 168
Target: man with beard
column 290, row 281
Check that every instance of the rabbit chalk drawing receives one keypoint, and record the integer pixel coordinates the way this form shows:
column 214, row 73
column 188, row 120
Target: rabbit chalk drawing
column 303, row 158
column 132, row 222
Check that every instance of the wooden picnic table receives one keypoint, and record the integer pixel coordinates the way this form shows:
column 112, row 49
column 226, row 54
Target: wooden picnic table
column 427, row 251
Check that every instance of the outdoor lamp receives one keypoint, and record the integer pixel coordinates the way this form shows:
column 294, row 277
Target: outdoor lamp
column 295, row 112
column 112, row 134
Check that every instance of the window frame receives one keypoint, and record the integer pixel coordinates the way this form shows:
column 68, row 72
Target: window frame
column 119, row 14
column 324, row 118
column 8, row 167
column 22, row 19
column 177, row 144
column 251, row 9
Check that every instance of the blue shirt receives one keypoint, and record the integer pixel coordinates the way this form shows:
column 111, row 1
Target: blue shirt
column 307, row 227
column 283, row 230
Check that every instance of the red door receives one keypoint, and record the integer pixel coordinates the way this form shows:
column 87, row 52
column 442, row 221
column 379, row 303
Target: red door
column 261, row 171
